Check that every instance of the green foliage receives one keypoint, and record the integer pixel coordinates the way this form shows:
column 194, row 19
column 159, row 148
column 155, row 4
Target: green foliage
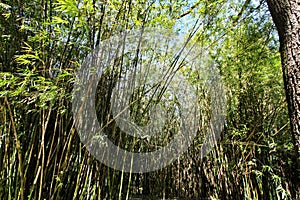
column 44, row 42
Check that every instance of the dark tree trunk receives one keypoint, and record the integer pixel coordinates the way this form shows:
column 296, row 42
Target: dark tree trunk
column 286, row 16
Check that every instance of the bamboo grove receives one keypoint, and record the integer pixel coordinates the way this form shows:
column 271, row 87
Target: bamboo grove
column 44, row 42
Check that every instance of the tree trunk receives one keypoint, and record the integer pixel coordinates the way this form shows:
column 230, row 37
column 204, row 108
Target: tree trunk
column 286, row 16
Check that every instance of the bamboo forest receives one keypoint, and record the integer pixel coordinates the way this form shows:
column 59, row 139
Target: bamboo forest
column 149, row 99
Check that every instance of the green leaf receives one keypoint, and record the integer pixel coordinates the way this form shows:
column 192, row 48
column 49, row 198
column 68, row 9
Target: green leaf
column 59, row 20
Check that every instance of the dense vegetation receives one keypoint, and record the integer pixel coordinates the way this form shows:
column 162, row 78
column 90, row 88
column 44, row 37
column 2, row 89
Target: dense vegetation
column 43, row 43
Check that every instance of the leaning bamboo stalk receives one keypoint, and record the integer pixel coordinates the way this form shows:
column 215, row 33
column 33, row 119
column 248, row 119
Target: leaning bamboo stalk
column 18, row 147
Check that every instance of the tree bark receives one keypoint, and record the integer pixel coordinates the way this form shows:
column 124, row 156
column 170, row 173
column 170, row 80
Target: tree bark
column 286, row 16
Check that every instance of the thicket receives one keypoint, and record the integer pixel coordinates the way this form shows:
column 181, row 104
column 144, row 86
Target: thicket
column 44, row 42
